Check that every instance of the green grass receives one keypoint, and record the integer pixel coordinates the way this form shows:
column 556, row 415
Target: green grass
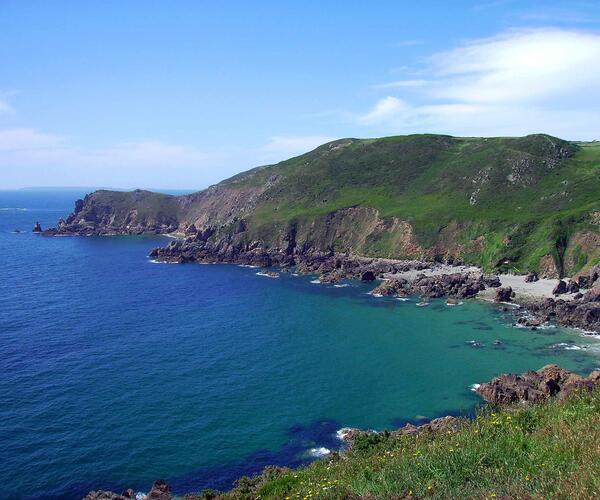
column 429, row 181
column 546, row 451
column 517, row 198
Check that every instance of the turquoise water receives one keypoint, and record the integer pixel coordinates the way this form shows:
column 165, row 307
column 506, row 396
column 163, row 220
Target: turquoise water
column 117, row 371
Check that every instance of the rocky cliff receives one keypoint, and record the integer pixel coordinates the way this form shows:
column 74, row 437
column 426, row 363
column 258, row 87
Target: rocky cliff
column 516, row 204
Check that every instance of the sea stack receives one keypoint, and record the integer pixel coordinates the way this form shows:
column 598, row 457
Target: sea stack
column 37, row 228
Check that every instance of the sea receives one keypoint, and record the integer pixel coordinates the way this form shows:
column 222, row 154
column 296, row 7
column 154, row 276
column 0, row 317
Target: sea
column 116, row 371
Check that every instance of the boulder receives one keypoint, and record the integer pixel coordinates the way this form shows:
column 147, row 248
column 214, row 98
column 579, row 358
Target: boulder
column 37, row 228
column 504, row 294
column 492, row 281
column 531, row 276
column 160, row 491
column 572, row 287
column 560, row 288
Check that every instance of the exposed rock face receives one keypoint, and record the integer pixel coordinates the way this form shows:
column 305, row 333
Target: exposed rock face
column 534, row 387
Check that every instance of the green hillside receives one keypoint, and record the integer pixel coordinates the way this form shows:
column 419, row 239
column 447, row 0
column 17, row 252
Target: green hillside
column 527, row 203
column 498, row 199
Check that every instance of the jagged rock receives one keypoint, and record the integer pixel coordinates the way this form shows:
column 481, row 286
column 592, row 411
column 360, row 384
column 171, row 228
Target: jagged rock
column 504, row 294
column 457, row 285
column 592, row 295
column 191, row 230
column 160, row 491
column 529, row 322
column 109, row 495
column 560, row 288
column 492, row 281
column 367, row 276
column 393, row 287
column 531, row 277
column 37, row 228
column 330, row 278
column 572, row 287
column 533, row 387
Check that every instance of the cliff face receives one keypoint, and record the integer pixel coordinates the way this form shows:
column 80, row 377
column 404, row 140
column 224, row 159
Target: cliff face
column 513, row 203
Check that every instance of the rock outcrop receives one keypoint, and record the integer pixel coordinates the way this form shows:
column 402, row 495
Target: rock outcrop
column 535, row 386
column 37, row 228
column 160, row 491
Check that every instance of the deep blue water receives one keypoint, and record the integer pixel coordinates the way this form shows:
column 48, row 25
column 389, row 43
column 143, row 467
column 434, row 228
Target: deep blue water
column 116, row 371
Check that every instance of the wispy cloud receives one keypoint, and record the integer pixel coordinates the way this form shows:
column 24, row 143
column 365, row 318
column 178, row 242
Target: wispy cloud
column 407, row 43
column 524, row 81
column 402, row 84
column 28, row 146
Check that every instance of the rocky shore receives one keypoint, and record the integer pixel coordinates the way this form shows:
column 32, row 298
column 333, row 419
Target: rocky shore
column 575, row 303
column 507, row 390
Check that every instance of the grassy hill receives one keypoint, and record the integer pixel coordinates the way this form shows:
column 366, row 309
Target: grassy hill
column 545, row 451
column 528, row 203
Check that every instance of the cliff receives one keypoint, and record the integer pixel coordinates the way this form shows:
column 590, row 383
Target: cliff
column 518, row 204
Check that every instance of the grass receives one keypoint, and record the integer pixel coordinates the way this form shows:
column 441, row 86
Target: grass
column 550, row 450
column 523, row 194
column 516, row 198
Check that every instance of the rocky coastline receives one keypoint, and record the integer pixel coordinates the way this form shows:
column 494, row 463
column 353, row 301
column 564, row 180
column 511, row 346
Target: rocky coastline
column 506, row 390
column 574, row 304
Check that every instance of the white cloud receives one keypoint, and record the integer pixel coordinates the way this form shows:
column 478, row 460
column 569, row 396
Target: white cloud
column 387, row 108
column 27, row 146
column 283, row 147
column 407, row 43
column 399, row 84
column 519, row 82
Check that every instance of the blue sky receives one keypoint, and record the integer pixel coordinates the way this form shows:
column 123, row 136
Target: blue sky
column 183, row 94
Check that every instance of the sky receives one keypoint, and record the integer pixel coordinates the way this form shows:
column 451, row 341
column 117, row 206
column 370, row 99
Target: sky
column 182, row 94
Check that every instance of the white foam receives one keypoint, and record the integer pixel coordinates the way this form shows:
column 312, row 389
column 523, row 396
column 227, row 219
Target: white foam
column 295, row 274
column 320, row 452
column 343, row 285
column 267, row 275
column 378, row 295
column 403, row 299
column 452, row 305
column 316, row 282
column 567, row 347
column 140, row 495
column 474, row 387
column 248, row 265
column 342, row 433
